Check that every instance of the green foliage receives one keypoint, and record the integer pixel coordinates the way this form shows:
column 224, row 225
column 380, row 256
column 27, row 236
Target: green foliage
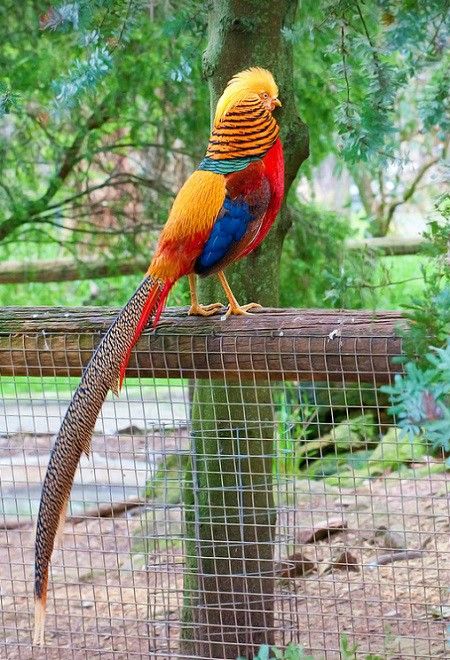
column 369, row 52
column 313, row 255
column 63, row 17
column 433, row 103
column 106, row 18
column 392, row 454
column 294, row 429
column 421, row 397
column 83, row 76
column 318, row 271
column 166, row 484
column 349, row 651
column 8, row 99
column 291, row 652
column 351, row 451
column 429, row 314
column 92, row 86
column 350, row 65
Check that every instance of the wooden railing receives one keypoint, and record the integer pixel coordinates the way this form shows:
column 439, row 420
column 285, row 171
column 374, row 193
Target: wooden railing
column 275, row 344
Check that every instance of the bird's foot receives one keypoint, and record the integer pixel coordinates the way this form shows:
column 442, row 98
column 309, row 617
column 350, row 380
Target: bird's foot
column 204, row 310
column 241, row 310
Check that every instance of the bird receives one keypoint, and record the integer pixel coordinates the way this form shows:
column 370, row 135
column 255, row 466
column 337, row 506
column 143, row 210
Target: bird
column 221, row 214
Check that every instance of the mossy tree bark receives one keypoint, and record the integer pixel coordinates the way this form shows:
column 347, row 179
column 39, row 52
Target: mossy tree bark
column 229, row 585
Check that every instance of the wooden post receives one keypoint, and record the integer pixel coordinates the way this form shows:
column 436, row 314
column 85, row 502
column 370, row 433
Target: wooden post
column 230, row 523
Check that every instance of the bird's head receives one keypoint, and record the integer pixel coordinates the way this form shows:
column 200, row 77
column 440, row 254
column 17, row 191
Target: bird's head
column 251, row 84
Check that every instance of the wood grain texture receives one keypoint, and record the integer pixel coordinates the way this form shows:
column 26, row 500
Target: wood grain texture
column 282, row 344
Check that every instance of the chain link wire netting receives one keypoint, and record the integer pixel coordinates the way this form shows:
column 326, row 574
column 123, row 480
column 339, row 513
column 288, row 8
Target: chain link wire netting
column 219, row 514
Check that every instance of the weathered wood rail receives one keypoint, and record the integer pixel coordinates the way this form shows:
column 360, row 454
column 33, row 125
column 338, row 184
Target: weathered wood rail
column 279, row 344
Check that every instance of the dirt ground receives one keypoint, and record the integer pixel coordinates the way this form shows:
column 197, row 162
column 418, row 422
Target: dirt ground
column 116, row 584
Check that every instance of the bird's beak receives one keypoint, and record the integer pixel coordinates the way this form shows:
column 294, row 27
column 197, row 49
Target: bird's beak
column 276, row 103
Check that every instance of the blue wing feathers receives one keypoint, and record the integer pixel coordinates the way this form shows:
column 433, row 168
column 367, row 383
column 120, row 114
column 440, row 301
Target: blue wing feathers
column 228, row 229
column 239, row 221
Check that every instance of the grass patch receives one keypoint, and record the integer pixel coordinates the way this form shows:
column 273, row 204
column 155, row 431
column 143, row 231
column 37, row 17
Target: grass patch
column 56, row 387
column 407, row 271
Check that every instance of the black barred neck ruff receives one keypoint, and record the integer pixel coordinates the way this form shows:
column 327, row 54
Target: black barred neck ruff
column 247, row 131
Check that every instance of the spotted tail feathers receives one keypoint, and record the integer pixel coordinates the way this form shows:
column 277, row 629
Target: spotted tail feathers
column 105, row 371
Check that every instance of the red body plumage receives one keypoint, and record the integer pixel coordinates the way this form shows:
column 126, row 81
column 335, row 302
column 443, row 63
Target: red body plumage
column 274, row 169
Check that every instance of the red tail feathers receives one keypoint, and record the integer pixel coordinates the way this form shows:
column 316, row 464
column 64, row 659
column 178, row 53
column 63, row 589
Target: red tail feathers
column 154, row 304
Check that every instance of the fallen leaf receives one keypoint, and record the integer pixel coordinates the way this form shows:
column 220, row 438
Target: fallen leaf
column 440, row 612
column 345, row 561
column 322, row 530
column 389, row 539
column 295, row 565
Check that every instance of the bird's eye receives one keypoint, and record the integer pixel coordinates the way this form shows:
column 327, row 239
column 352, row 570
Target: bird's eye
column 265, row 95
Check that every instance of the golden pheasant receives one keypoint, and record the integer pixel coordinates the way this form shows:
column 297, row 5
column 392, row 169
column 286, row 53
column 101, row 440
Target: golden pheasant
column 222, row 212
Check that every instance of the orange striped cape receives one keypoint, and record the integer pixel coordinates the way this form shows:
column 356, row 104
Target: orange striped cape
column 244, row 134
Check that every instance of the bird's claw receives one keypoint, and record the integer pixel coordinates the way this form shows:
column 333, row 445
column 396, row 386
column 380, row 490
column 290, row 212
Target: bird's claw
column 241, row 310
column 204, row 310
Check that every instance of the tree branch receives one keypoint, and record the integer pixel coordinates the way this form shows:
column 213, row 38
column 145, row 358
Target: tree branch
column 70, row 157
column 363, row 182
column 411, row 189
column 68, row 269
column 382, row 212
column 389, row 245
column 344, row 65
column 376, row 61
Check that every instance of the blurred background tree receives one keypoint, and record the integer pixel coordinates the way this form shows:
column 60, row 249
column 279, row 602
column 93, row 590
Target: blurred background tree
column 104, row 112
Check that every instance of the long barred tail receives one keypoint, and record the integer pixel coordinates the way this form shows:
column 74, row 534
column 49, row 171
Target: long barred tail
column 105, row 371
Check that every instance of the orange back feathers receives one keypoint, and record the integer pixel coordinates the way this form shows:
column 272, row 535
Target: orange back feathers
column 190, row 221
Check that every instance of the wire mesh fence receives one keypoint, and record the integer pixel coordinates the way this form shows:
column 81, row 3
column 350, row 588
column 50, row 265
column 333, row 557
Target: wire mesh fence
column 248, row 487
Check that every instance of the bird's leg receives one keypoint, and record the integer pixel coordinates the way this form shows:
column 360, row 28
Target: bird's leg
column 196, row 309
column 234, row 307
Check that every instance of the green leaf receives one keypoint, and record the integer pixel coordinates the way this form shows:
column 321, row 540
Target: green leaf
column 263, row 653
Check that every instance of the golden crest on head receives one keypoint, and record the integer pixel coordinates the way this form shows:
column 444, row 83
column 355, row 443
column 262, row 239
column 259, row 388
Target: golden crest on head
column 249, row 84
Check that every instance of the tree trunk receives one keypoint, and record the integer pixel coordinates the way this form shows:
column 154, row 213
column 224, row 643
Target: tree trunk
column 229, row 586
